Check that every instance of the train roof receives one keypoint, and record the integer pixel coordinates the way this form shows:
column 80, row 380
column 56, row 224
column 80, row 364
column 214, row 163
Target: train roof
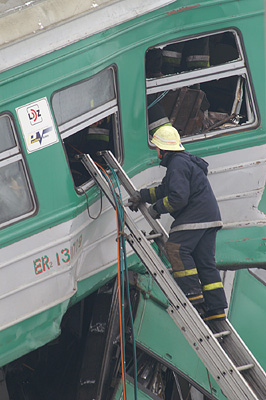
column 24, row 24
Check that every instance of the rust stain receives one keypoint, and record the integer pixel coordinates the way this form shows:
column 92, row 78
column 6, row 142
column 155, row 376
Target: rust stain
column 181, row 9
column 242, row 240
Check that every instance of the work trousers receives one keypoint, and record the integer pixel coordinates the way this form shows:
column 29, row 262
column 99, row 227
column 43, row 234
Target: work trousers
column 192, row 257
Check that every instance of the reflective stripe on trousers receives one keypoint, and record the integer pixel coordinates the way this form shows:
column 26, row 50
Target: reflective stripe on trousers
column 192, row 257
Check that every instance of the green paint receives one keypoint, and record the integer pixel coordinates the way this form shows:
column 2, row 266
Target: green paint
column 241, row 248
column 30, row 334
column 247, row 313
column 58, row 201
column 156, row 331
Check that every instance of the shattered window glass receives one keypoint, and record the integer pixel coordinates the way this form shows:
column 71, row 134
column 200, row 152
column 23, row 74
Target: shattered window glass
column 200, row 86
column 16, row 198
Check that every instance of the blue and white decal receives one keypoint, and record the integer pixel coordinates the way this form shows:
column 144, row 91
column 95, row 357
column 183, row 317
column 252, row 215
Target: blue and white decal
column 37, row 125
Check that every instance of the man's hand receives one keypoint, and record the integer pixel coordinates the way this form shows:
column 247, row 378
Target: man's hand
column 134, row 201
column 153, row 212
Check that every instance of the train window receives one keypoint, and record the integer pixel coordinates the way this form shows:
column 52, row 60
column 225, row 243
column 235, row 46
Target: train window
column 8, row 140
column 88, row 121
column 16, row 197
column 200, row 86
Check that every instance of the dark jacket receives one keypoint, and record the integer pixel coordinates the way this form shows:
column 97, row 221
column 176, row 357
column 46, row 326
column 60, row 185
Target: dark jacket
column 185, row 193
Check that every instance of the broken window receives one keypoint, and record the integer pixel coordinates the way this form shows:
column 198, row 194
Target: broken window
column 88, row 121
column 160, row 381
column 16, row 196
column 200, row 86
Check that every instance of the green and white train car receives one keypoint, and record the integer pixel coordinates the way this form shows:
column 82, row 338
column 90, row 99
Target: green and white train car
column 65, row 66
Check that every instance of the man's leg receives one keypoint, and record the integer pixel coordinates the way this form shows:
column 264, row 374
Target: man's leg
column 213, row 291
column 180, row 247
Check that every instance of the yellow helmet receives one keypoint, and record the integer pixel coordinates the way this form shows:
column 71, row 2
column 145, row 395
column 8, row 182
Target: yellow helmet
column 167, row 138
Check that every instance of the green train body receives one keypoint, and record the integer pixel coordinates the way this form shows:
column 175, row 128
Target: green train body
column 66, row 67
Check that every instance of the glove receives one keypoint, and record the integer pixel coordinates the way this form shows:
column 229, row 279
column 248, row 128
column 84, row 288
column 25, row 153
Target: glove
column 134, row 201
column 153, row 212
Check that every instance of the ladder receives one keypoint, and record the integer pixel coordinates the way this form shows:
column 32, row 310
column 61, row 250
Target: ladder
column 219, row 347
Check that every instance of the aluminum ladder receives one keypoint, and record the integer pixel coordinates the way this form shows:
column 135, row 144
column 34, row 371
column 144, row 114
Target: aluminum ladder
column 220, row 348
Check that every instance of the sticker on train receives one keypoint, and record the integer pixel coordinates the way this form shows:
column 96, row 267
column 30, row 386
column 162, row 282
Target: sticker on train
column 37, row 125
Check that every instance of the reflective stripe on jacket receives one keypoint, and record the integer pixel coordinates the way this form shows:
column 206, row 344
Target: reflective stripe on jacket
column 185, row 193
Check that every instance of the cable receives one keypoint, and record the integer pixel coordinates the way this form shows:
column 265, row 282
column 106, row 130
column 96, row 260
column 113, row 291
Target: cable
column 120, row 283
column 88, row 208
column 209, row 379
column 128, row 290
column 120, row 247
column 158, row 99
column 87, row 199
column 122, row 266
column 121, row 313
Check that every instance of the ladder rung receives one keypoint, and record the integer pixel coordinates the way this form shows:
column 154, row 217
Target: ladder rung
column 245, row 367
column 221, row 334
column 153, row 236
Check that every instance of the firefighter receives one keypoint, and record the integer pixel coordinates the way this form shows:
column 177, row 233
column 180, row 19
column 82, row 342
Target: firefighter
column 156, row 115
column 90, row 140
column 185, row 56
column 153, row 63
column 98, row 138
column 94, row 138
column 186, row 194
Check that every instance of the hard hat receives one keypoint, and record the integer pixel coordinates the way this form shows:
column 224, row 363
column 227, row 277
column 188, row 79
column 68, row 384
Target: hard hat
column 167, row 138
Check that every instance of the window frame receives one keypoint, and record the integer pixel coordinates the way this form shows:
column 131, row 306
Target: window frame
column 238, row 67
column 111, row 108
column 14, row 155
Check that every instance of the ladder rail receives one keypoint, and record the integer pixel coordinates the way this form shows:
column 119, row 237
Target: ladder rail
column 130, row 188
column 184, row 314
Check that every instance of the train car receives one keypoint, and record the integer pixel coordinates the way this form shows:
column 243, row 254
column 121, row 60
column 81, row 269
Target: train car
column 79, row 77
